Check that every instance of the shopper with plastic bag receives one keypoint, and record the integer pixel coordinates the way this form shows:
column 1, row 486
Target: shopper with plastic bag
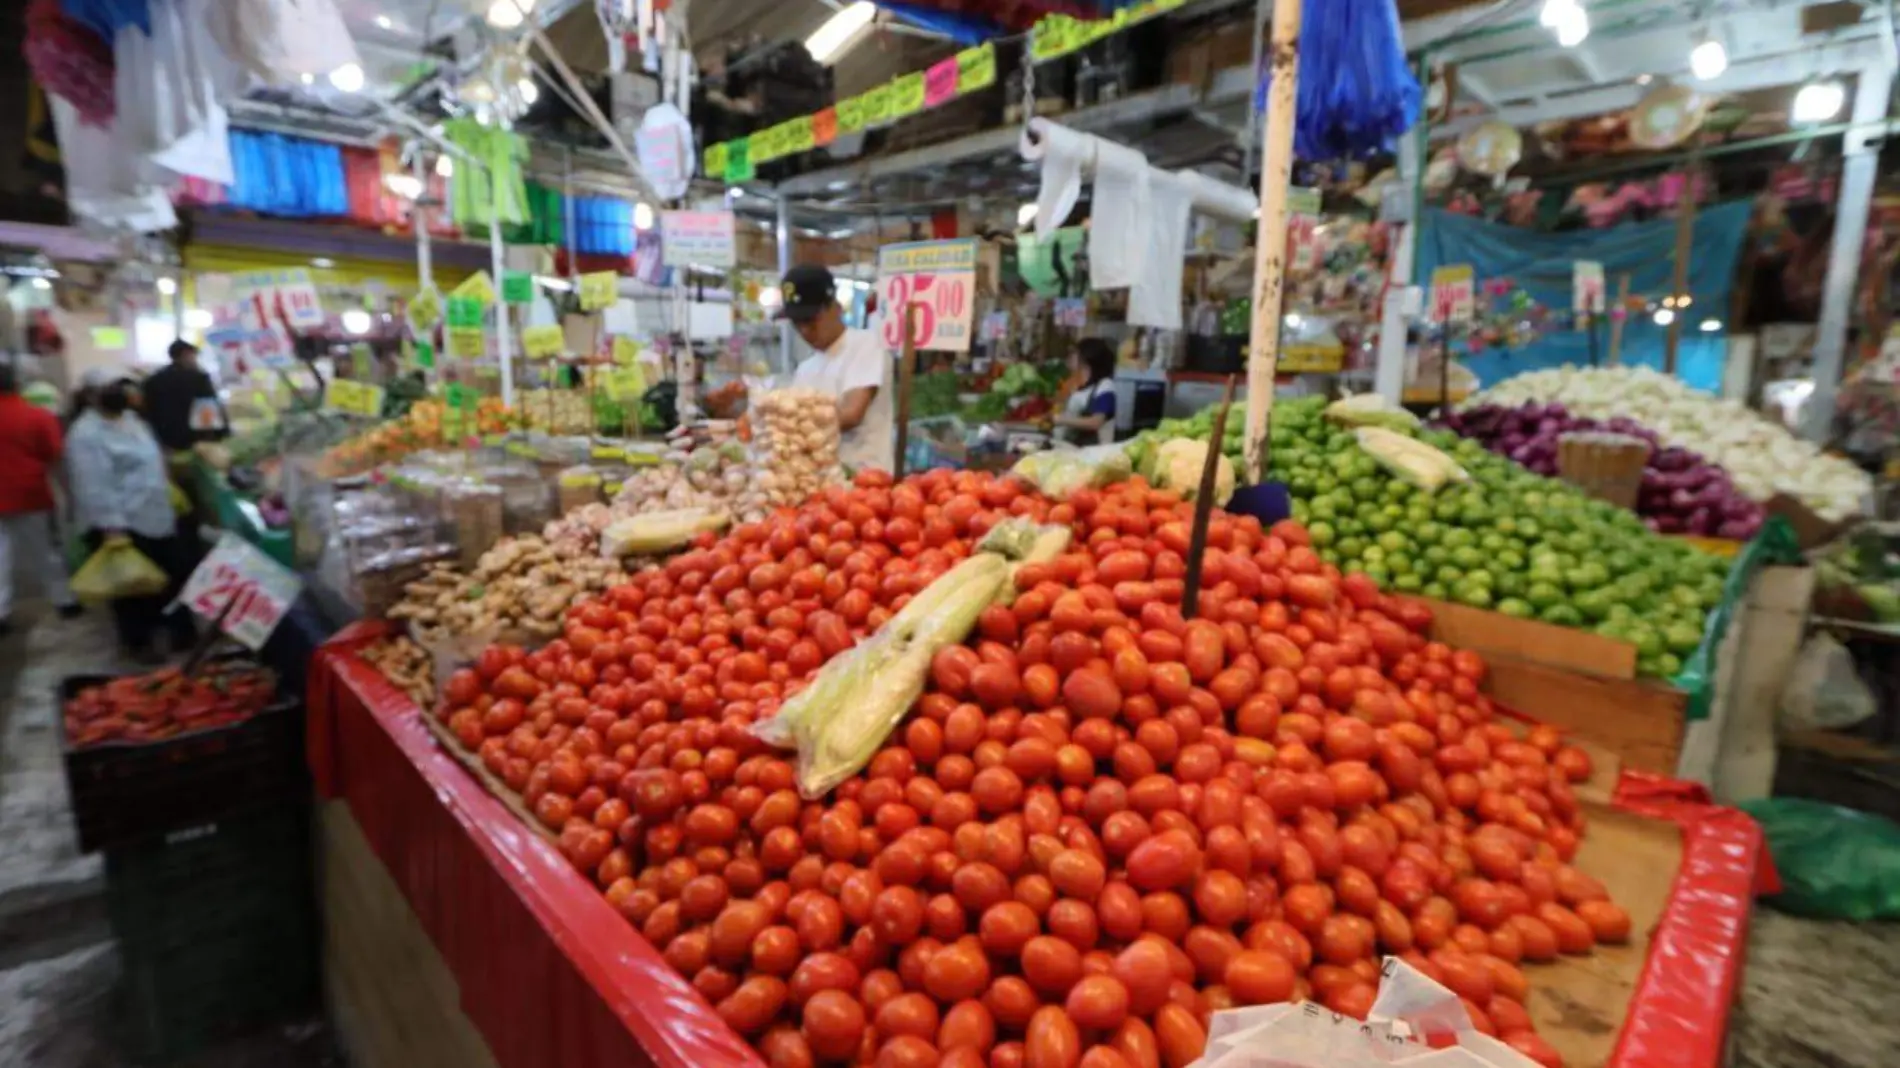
column 29, row 448
column 121, row 496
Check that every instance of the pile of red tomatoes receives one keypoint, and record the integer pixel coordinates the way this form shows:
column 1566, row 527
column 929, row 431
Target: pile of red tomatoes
column 1101, row 822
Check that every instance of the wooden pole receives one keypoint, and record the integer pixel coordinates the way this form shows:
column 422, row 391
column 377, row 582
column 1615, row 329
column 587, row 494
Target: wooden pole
column 1269, row 263
column 906, row 374
column 1679, row 278
column 1204, row 505
column 1616, row 321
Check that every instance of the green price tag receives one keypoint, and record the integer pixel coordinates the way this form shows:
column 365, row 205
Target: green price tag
column 739, row 160
column 713, row 161
column 599, row 289
column 460, row 397
column 542, row 342
column 851, row 115
column 425, row 354
column 517, row 287
column 877, row 105
column 976, row 68
column 464, row 312
column 907, row 94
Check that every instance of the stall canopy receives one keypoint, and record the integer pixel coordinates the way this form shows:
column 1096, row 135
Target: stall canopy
column 1542, row 264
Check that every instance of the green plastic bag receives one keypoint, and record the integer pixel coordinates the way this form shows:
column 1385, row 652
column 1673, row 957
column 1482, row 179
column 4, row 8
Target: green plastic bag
column 1774, row 543
column 118, row 570
column 1835, row 863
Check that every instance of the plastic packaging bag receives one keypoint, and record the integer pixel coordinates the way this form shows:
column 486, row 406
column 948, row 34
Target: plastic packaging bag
column 118, row 570
column 1060, row 472
column 1834, row 863
column 658, row 532
column 1824, row 692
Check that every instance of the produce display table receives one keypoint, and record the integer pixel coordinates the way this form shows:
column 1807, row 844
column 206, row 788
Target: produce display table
column 548, row 974
column 241, row 517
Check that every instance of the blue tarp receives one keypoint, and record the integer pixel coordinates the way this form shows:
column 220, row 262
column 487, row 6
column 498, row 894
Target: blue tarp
column 1541, row 263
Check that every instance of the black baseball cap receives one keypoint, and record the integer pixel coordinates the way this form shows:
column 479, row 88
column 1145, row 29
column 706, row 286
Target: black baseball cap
column 806, row 290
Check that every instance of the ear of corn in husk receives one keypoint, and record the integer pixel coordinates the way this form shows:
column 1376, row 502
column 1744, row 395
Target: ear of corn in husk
column 658, row 532
column 854, row 702
column 1410, row 459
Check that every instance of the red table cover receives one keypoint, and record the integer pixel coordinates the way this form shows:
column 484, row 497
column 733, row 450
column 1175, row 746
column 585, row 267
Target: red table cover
column 553, row 976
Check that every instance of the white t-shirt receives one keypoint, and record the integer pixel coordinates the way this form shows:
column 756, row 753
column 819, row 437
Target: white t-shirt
column 855, row 361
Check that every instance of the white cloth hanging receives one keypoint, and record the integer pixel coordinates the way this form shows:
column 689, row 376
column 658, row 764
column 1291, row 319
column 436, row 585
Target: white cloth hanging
column 1118, row 216
column 280, row 41
column 104, row 182
column 169, row 88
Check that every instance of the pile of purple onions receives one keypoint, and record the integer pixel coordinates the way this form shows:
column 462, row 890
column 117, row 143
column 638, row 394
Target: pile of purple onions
column 1682, row 493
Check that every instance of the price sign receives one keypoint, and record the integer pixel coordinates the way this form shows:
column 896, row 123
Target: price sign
column 356, row 398
column 1586, row 286
column 938, row 278
column 424, row 355
column 907, row 94
column 465, row 311
column 477, row 287
column 425, row 311
column 271, row 347
column 460, row 397
column 289, row 295
column 542, row 342
column 1454, row 294
column 704, row 238
column 824, row 127
column 624, row 383
column 940, row 82
column 851, row 115
column 1072, row 312
column 995, row 326
column 467, row 342
column 517, row 287
column 739, row 160
column 877, row 105
column 626, row 351
column 599, row 289
column 249, row 590
column 976, row 68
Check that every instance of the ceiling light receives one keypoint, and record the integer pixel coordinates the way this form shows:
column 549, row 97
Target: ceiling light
column 1644, row 79
column 1573, row 25
column 198, row 319
column 1663, row 317
column 308, row 78
column 444, row 166
column 357, row 321
column 166, row 287
column 735, row 192
column 1293, row 320
column 347, row 78
column 1819, row 101
column 559, row 285
column 643, row 216
column 1710, row 326
column 840, row 31
column 41, row 283
column 1025, row 215
column 529, row 91
column 1553, row 12
column 406, row 186
column 384, row 22
column 1708, row 59
column 323, row 262
column 504, row 15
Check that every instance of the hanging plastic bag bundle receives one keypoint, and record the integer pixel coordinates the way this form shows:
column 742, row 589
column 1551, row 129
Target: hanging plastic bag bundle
column 1060, row 472
column 117, row 571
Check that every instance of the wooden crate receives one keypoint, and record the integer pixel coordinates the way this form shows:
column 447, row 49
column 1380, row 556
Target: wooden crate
column 1493, row 633
column 394, row 1003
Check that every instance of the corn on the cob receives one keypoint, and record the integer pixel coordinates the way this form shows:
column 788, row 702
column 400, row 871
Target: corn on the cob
column 659, row 532
column 1409, row 459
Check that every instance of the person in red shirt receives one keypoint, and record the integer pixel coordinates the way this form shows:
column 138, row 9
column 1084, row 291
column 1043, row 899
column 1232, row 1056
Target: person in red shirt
column 29, row 449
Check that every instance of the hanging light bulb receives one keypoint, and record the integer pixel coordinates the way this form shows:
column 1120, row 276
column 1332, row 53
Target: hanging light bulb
column 406, row 186
column 348, row 78
column 504, row 15
column 1710, row 326
column 643, row 216
column 444, row 166
column 529, row 91
column 1819, row 101
column 1708, row 59
column 166, row 287
column 1573, row 25
column 1553, row 12
column 356, row 321
column 1025, row 215
column 1663, row 317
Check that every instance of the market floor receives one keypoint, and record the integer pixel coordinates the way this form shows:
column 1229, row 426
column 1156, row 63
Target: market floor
column 1815, row 995
column 58, row 965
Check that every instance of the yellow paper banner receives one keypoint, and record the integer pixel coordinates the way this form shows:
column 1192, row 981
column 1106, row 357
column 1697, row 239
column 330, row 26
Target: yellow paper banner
column 976, row 68
column 714, row 161
column 626, row 351
column 466, row 342
column 877, row 105
column 907, row 94
column 478, row 287
column 542, row 342
column 356, row 398
column 851, row 115
column 800, row 137
column 599, row 289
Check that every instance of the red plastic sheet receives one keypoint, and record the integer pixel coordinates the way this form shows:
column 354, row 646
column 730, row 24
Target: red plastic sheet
column 1678, row 1017
column 549, row 973
column 552, row 976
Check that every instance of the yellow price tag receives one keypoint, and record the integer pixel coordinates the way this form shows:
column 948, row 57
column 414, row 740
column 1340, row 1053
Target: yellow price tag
column 976, row 68
column 625, row 383
column 542, row 342
column 714, row 161
column 877, row 105
column 1051, row 36
column 907, row 94
column 356, row 398
column 599, row 289
column 466, row 342
column 851, row 115
column 477, row 287
column 626, row 351
column 765, row 145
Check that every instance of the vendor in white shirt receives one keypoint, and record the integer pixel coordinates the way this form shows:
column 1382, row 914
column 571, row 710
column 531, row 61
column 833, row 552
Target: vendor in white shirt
column 851, row 365
column 1088, row 416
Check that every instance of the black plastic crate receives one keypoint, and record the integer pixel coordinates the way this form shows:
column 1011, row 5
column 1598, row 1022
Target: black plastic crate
column 216, row 928
column 129, row 791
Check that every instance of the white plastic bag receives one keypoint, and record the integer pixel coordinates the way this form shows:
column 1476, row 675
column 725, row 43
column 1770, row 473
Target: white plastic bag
column 280, row 41
column 1824, row 692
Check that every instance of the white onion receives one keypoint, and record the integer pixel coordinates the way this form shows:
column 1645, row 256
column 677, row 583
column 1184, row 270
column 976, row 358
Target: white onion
column 1762, row 458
